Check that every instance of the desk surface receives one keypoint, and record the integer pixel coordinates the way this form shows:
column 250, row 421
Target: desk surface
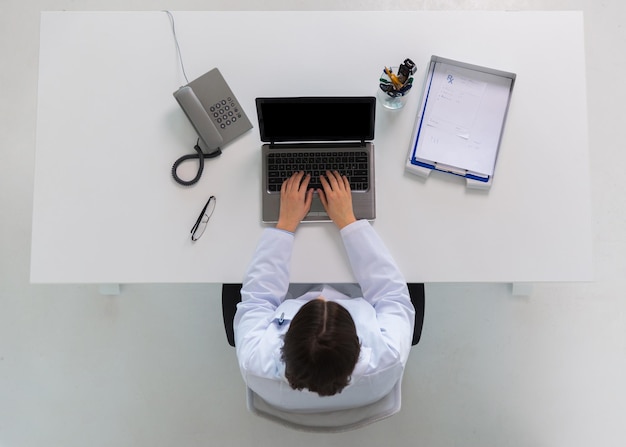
column 107, row 211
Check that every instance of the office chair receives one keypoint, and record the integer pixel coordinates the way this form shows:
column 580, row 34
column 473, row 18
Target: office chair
column 231, row 296
column 328, row 422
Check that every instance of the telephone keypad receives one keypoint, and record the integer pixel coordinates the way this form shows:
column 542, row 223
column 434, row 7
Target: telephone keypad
column 225, row 112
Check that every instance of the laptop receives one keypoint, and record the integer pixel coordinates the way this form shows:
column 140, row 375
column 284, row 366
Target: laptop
column 315, row 134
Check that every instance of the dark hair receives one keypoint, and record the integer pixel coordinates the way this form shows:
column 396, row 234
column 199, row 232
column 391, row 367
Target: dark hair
column 321, row 348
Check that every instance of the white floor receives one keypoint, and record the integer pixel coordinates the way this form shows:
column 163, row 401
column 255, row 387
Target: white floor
column 152, row 367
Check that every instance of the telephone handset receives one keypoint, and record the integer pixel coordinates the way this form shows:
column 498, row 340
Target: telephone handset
column 210, row 139
column 215, row 113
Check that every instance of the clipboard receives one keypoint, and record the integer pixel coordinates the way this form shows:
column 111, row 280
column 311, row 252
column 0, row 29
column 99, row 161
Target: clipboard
column 460, row 121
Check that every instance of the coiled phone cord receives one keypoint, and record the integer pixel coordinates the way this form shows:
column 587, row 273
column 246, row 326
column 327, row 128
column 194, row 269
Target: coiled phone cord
column 200, row 156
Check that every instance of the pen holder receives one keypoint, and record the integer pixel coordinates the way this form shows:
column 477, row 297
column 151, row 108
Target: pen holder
column 392, row 91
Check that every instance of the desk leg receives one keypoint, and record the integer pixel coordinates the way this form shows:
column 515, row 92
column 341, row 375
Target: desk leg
column 110, row 289
column 522, row 288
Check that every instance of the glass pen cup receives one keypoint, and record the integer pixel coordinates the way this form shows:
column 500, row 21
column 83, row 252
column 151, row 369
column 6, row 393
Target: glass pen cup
column 393, row 95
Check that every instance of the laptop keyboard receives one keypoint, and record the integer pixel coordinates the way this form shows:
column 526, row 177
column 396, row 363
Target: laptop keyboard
column 353, row 164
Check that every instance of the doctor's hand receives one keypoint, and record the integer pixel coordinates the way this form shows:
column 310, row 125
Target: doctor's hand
column 295, row 201
column 337, row 198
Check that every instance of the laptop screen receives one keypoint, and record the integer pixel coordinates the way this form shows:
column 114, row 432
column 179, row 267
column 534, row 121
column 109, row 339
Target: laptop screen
column 316, row 118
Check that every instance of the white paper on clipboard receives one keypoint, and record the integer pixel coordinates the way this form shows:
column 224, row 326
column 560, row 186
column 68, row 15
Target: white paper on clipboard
column 463, row 116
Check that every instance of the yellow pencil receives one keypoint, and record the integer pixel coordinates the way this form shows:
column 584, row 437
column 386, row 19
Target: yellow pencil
column 394, row 79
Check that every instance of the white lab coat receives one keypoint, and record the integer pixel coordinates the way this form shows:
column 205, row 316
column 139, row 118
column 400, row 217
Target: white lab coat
column 383, row 315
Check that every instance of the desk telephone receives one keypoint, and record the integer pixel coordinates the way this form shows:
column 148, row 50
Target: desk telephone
column 216, row 115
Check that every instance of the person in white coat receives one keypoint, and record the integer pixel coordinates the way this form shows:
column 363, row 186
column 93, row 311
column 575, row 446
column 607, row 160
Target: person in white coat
column 322, row 348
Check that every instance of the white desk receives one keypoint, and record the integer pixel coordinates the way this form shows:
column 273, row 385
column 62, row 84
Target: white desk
column 107, row 211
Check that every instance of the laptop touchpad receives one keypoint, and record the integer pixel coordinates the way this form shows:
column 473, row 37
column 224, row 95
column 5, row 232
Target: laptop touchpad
column 316, row 205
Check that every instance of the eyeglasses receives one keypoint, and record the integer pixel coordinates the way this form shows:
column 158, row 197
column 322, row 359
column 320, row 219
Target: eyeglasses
column 203, row 219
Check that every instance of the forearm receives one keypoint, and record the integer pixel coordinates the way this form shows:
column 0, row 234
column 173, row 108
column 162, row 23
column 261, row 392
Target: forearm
column 372, row 263
column 267, row 276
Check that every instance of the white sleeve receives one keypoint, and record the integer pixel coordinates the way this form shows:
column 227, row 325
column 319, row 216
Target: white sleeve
column 383, row 285
column 264, row 288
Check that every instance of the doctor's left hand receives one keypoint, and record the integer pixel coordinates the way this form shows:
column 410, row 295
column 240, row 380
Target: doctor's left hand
column 295, row 201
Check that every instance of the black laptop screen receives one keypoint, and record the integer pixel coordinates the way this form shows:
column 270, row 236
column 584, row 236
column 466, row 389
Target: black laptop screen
column 316, row 118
